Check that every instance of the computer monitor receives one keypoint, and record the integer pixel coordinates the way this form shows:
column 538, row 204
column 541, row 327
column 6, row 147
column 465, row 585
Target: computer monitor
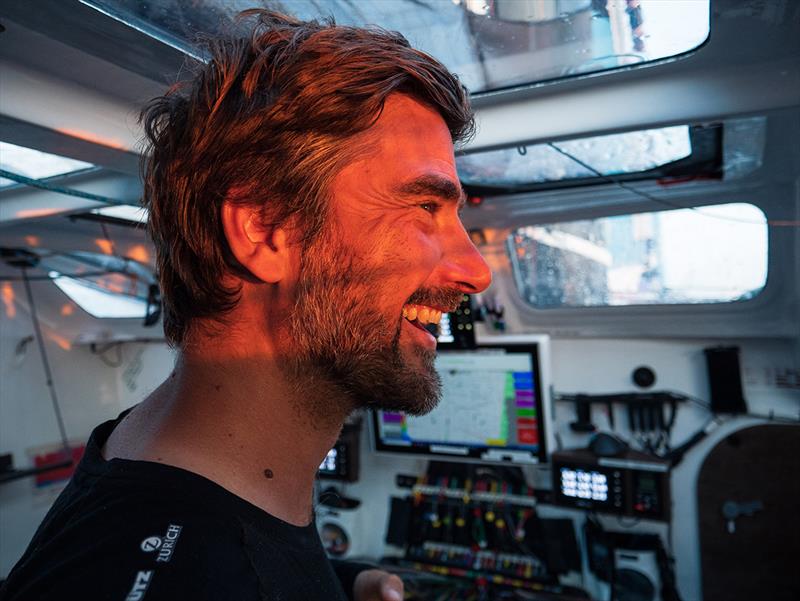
column 492, row 409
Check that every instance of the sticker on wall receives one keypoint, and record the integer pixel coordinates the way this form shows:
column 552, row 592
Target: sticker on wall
column 132, row 371
column 770, row 376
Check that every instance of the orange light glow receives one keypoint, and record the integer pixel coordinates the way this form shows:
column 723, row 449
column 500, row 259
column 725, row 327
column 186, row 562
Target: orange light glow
column 105, row 245
column 62, row 342
column 117, row 283
column 94, row 138
column 29, row 213
column 32, row 240
column 67, row 309
column 138, row 252
column 8, row 300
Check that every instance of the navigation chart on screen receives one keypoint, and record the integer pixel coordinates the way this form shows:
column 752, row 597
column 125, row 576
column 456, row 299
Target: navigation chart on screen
column 488, row 400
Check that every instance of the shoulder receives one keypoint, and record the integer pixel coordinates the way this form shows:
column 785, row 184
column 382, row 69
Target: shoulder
column 124, row 548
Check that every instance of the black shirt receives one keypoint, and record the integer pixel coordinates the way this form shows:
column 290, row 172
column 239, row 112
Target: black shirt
column 138, row 530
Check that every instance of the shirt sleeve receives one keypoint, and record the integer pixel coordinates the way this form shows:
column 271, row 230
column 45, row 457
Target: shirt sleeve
column 145, row 557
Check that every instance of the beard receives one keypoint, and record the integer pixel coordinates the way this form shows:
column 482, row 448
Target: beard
column 339, row 340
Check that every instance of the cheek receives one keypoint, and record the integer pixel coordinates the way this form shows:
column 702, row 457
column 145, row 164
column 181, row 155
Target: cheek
column 398, row 255
column 411, row 259
column 426, row 253
column 412, row 246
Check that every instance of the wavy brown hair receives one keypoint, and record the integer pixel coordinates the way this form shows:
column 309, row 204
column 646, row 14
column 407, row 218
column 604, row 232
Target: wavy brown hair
column 268, row 120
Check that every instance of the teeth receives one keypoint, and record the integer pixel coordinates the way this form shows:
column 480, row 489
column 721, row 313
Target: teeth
column 422, row 314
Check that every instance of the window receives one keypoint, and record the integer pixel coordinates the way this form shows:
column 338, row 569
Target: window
column 105, row 286
column 713, row 254
column 490, row 44
column 96, row 297
column 35, row 164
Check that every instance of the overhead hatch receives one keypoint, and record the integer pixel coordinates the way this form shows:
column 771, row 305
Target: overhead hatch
column 490, row 44
column 35, row 164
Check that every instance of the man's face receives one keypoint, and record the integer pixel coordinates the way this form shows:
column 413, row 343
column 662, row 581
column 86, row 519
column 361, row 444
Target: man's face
column 394, row 247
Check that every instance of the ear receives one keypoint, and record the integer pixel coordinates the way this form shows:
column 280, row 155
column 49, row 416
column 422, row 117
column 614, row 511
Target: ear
column 263, row 250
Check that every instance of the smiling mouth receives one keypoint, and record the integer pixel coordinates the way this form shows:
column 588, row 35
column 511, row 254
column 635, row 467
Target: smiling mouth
column 421, row 315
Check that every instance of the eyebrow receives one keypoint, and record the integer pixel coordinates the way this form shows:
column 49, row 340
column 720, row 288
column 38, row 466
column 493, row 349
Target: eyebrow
column 433, row 185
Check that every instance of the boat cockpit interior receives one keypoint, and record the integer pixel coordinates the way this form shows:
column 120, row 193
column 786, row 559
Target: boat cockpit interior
column 620, row 411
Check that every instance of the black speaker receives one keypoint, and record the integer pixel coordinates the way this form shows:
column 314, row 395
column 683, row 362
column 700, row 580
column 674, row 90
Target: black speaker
column 725, row 379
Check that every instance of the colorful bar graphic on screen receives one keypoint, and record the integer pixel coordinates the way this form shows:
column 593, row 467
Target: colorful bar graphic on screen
column 394, row 425
column 524, row 407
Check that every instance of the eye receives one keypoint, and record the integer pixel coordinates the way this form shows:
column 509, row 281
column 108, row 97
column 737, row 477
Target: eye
column 430, row 207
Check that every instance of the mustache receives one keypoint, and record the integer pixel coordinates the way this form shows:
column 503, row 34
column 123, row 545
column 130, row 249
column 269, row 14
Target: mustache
column 444, row 298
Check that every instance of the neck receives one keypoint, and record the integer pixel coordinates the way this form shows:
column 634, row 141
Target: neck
column 241, row 423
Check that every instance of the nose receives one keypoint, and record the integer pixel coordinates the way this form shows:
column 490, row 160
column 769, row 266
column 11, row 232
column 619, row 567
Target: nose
column 463, row 265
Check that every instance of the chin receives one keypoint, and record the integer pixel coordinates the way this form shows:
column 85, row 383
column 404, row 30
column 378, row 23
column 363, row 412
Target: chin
column 410, row 386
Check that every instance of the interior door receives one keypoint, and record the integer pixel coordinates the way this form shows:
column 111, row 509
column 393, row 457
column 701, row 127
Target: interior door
column 748, row 500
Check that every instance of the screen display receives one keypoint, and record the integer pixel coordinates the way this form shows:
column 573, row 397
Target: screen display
column 491, row 408
column 584, row 484
column 330, row 464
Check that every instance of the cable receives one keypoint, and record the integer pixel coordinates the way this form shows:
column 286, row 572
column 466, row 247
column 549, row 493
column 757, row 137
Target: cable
column 50, row 385
column 697, row 401
column 675, row 456
column 44, row 278
column 650, row 197
column 769, row 417
column 37, row 183
column 125, row 270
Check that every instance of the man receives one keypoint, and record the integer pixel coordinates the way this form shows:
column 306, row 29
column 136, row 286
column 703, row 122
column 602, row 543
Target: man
column 304, row 206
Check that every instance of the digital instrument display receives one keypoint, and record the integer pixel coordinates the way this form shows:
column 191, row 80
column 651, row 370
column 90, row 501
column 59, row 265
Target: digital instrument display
column 635, row 484
column 341, row 462
column 491, row 409
column 582, row 484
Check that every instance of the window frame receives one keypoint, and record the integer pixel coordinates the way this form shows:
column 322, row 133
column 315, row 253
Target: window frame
column 769, row 314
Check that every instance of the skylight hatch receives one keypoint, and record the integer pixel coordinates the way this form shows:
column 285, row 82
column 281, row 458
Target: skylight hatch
column 614, row 154
column 34, row 163
column 490, row 44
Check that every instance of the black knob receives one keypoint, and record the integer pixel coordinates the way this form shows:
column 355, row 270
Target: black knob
column 644, row 377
